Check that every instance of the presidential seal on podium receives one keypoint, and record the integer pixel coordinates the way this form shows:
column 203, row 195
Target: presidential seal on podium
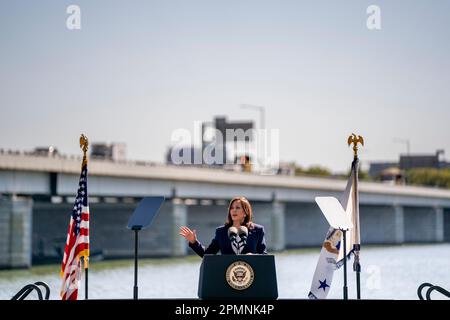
column 240, row 275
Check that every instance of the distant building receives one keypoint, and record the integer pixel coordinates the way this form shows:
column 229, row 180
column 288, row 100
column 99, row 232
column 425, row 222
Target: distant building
column 222, row 139
column 184, row 155
column 213, row 151
column 376, row 168
column 286, row 168
column 45, row 151
column 392, row 175
column 114, row 151
column 419, row 161
column 383, row 170
column 445, row 165
column 192, row 156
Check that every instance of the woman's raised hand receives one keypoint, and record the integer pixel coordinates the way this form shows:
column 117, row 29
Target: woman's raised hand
column 189, row 234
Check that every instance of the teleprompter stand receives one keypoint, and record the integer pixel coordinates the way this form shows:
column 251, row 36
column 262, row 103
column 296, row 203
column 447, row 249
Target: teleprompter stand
column 141, row 218
column 338, row 219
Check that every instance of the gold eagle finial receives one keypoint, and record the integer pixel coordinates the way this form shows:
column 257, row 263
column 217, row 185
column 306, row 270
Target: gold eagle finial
column 84, row 144
column 355, row 140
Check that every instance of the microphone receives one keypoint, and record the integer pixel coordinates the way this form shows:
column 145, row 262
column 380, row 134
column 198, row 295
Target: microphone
column 243, row 233
column 232, row 233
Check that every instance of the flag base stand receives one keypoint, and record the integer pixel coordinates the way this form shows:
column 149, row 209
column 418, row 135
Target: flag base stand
column 86, row 281
column 357, row 269
column 345, row 289
column 135, row 288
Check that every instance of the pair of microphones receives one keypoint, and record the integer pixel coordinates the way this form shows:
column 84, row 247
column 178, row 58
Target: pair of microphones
column 233, row 232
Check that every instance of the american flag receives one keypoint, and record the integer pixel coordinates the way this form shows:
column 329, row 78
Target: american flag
column 77, row 244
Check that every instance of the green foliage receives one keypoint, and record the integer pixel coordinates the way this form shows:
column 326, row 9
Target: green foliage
column 429, row 177
column 363, row 175
column 313, row 171
column 299, row 171
column 320, row 171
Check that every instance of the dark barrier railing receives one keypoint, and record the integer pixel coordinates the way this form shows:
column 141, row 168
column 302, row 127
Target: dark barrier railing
column 47, row 289
column 26, row 290
column 430, row 290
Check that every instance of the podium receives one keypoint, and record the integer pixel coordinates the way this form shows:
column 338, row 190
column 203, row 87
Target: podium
column 238, row 277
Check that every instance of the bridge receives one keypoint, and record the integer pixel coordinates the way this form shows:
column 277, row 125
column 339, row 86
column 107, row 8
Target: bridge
column 37, row 194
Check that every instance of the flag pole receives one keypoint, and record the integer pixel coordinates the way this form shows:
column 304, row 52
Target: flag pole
column 84, row 143
column 356, row 233
column 344, row 231
column 357, row 244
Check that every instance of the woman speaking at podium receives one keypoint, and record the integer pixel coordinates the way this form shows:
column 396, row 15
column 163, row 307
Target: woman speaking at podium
column 239, row 235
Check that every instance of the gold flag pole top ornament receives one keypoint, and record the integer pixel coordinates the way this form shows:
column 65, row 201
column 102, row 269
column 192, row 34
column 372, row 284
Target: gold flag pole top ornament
column 355, row 140
column 84, row 144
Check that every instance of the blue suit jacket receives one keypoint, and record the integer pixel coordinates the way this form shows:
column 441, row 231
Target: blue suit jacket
column 256, row 242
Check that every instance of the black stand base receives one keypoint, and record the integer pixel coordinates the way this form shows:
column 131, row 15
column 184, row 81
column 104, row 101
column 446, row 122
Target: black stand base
column 86, row 283
column 345, row 266
column 135, row 288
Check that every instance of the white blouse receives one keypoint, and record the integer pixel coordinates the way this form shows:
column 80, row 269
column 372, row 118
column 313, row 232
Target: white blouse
column 237, row 245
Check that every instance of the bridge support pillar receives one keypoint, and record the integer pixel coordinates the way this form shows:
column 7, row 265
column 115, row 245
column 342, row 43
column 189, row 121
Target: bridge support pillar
column 179, row 218
column 278, row 239
column 399, row 224
column 439, row 224
column 15, row 232
column 272, row 217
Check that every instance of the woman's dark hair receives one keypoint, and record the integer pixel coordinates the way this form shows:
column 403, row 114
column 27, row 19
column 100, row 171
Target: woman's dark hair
column 246, row 206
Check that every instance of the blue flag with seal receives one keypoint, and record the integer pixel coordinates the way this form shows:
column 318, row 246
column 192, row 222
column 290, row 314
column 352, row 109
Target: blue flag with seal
column 332, row 253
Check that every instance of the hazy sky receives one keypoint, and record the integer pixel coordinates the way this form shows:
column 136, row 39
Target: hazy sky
column 138, row 70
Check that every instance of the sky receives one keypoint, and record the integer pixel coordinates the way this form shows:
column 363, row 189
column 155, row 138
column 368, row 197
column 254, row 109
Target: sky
column 137, row 71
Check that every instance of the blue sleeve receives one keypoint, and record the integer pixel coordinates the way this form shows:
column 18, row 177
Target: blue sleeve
column 213, row 247
column 261, row 247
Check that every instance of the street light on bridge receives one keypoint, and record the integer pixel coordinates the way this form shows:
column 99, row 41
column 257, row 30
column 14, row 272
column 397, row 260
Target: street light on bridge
column 262, row 111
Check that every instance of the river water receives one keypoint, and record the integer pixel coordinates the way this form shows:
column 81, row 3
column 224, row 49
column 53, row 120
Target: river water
column 388, row 272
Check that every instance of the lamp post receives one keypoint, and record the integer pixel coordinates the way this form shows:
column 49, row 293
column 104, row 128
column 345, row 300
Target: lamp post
column 405, row 141
column 262, row 114
column 262, row 111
